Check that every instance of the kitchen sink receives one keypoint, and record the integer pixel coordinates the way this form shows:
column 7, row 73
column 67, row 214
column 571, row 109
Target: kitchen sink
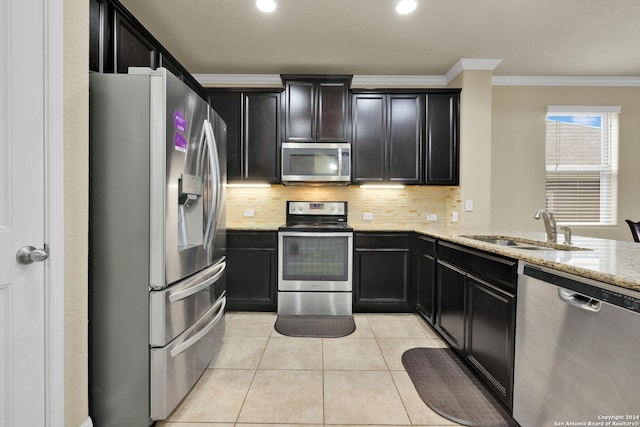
column 519, row 243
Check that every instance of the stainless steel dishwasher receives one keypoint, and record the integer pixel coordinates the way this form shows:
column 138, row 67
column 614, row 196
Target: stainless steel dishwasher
column 577, row 355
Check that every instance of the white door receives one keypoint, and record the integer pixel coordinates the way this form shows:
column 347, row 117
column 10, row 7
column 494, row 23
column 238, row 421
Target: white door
column 22, row 295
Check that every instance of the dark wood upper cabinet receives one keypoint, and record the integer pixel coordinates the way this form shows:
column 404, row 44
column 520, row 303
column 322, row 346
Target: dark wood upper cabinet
column 369, row 137
column 404, row 146
column 300, row 111
column 132, row 48
column 442, row 139
column 95, row 35
column 387, row 138
column 253, row 133
column 228, row 105
column 316, row 108
column 117, row 41
column 261, row 137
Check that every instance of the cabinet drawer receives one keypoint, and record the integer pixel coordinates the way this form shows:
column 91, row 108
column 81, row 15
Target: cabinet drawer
column 382, row 241
column 425, row 245
column 498, row 270
column 251, row 239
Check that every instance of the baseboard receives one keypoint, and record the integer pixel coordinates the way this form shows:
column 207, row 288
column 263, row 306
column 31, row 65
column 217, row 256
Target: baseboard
column 87, row 423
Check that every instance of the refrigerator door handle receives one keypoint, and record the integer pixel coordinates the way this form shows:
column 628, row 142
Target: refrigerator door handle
column 215, row 171
column 221, row 304
column 184, row 293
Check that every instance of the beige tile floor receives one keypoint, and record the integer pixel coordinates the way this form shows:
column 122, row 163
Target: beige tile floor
column 262, row 378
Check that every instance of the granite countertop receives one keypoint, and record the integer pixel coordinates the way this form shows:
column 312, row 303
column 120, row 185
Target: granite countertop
column 610, row 261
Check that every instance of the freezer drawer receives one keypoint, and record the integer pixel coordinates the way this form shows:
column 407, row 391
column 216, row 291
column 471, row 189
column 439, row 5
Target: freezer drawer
column 174, row 309
column 176, row 367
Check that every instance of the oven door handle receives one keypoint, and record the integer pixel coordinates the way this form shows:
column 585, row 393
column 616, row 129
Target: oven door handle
column 316, row 234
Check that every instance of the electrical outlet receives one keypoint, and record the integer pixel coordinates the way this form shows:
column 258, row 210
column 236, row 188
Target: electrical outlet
column 432, row 217
column 454, row 216
column 367, row 215
column 249, row 212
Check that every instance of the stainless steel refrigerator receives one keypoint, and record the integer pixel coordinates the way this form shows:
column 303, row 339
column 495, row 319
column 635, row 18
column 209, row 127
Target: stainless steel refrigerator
column 157, row 244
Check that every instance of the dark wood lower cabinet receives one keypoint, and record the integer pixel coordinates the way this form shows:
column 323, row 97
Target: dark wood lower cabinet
column 381, row 273
column 252, row 260
column 451, row 304
column 424, row 270
column 475, row 312
column 491, row 325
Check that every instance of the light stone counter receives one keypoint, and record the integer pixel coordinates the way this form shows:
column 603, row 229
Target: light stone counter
column 253, row 227
column 610, row 261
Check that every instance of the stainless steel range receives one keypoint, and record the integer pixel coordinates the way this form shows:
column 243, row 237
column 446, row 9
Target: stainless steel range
column 315, row 258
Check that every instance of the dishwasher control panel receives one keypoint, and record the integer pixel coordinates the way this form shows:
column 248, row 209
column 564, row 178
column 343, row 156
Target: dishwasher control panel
column 578, row 285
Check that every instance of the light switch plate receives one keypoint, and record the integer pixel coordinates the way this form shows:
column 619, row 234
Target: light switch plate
column 468, row 206
column 432, row 217
column 454, row 216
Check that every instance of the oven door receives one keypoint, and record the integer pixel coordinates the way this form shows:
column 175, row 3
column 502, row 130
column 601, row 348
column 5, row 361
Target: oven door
column 315, row 261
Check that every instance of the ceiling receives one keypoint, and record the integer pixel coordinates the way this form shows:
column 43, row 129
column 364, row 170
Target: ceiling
column 367, row 37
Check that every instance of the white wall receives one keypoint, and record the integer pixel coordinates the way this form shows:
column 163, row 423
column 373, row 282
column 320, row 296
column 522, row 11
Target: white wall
column 76, row 199
column 518, row 153
column 475, row 147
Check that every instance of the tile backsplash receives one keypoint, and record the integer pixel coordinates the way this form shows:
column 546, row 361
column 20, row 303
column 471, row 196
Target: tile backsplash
column 390, row 207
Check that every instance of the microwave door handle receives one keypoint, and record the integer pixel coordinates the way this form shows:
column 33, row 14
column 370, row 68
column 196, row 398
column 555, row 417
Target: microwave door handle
column 339, row 162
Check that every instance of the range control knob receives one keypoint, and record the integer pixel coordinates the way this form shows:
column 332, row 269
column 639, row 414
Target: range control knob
column 300, row 207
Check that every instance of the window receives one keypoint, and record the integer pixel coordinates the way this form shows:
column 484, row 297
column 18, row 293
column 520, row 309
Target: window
column 582, row 164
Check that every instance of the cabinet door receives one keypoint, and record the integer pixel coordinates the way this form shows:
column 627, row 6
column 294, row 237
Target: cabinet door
column 229, row 106
column 171, row 66
column 96, row 42
column 442, row 146
column 381, row 273
column 491, row 323
column 251, row 270
column 368, row 148
column 132, row 48
column 451, row 304
column 404, row 144
column 333, row 112
column 261, row 136
column 426, row 285
column 300, row 111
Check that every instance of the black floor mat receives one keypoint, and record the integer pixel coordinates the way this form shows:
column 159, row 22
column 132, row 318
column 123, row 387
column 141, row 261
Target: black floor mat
column 315, row 326
column 449, row 387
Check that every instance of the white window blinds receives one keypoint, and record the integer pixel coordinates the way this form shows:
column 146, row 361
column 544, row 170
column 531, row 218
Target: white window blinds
column 582, row 164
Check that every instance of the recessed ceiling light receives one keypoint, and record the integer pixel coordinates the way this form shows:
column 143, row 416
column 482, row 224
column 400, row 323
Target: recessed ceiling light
column 406, row 6
column 266, row 5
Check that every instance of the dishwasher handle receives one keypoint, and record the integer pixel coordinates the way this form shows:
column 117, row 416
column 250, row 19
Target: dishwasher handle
column 579, row 301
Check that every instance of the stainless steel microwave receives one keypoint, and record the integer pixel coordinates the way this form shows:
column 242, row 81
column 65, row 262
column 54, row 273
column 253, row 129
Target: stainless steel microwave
column 316, row 162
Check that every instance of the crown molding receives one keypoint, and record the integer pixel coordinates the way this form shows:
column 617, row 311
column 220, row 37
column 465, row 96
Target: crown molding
column 246, row 80
column 563, row 81
column 475, row 64
column 363, row 81
column 464, row 64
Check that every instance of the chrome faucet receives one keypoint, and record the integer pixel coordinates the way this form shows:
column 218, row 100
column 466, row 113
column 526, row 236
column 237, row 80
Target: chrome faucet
column 549, row 224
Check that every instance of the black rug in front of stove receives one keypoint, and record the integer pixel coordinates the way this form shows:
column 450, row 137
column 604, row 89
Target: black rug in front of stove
column 333, row 326
column 449, row 387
